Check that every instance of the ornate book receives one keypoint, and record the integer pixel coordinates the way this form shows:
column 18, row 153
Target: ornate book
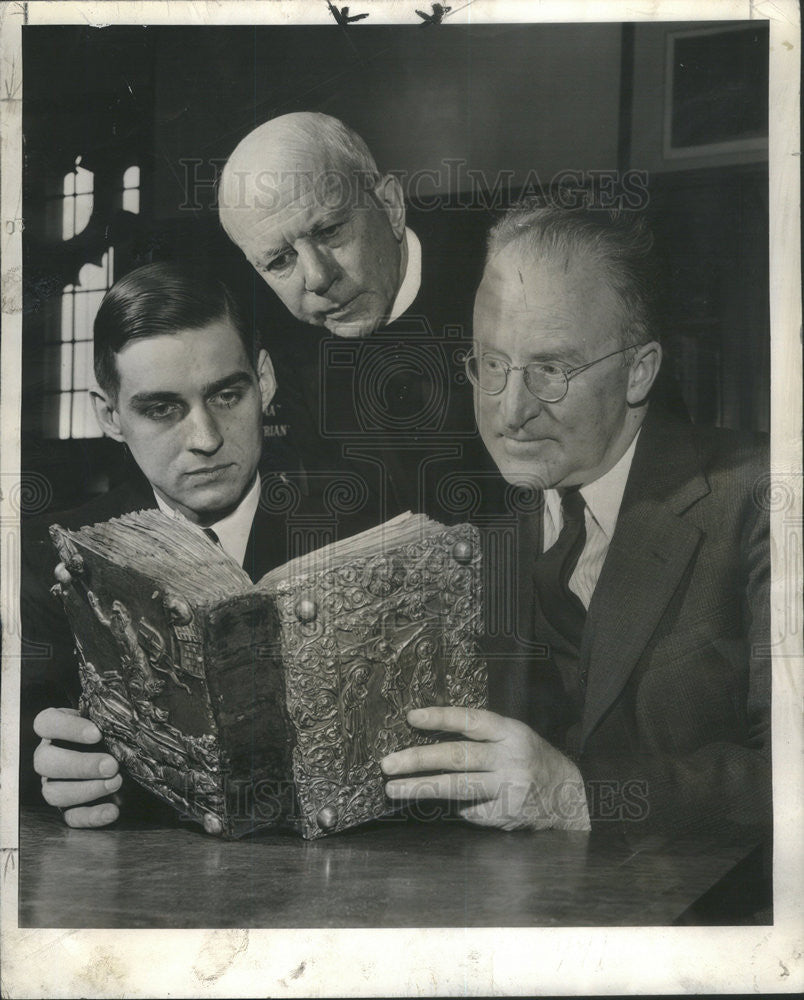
column 259, row 705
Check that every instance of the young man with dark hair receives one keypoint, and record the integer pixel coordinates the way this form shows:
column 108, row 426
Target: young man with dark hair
column 182, row 385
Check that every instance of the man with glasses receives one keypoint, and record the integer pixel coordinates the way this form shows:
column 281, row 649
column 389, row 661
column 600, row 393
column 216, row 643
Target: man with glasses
column 644, row 694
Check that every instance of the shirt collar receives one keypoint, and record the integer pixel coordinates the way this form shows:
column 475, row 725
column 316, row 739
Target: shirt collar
column 603, row 497
column 412, row 280
column 233, row 530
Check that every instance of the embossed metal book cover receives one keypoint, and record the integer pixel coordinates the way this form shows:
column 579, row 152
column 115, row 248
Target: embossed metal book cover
column 249, row 706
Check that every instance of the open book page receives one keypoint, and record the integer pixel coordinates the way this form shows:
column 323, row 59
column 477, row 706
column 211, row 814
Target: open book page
column 174, row 553
column 398, row 531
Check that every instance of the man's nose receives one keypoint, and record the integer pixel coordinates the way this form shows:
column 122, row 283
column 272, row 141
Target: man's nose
column 518, row 405
column 318, row 267
column 203, row 433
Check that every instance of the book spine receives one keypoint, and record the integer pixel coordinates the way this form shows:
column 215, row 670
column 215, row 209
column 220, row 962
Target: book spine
column 243, row 666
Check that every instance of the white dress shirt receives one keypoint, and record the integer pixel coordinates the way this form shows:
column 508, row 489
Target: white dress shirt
column 412, row 280
column 603, row 499
column 233, row 530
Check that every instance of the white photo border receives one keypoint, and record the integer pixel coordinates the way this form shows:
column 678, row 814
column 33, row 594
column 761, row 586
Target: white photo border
column 454, row 961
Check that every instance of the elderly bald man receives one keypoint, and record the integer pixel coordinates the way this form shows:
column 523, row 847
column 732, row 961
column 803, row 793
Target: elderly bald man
column 303, row 199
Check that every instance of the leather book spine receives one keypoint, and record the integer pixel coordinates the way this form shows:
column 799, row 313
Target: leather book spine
column 243, row 666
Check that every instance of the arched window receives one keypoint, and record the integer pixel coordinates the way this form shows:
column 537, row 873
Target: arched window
column 79, row 200
column 131, row 190
column 68, row 363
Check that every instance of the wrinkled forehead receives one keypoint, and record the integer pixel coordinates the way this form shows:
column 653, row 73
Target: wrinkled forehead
column 546, row 293
column 283, row 189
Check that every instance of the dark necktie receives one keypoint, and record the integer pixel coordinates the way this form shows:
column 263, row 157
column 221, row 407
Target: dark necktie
column 553, row 569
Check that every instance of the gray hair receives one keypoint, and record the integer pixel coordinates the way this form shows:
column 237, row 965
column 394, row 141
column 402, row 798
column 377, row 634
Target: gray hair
column 618, row 242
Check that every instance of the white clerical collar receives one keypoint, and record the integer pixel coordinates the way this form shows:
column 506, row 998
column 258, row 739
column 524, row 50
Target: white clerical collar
column 411, row 282
column 233, row 530
column 603, row 497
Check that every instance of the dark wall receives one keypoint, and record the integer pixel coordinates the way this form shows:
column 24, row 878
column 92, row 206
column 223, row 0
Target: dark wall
column 498, row 97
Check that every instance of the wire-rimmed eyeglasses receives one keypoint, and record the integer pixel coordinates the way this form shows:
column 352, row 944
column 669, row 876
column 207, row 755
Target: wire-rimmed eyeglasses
column 543, row 379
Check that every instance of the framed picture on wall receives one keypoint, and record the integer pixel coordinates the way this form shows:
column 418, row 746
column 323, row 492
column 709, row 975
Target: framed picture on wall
column 716, row 91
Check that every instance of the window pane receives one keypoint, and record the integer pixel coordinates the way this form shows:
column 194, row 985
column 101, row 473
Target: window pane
column 84, row 204
column 131, row 178
column 131, row 201
column 86, row 309
column 94, row 276
column 84, row 180
column 68, row 218
column 84, row 423
column 82, row 366
column 66, row 366
column 80, row 324
column 94, row 300
column 67, row 313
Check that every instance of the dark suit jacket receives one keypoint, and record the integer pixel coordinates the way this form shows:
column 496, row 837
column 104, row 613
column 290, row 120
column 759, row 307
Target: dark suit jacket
column 675, row 724
column 49, row 670
column 389, row 415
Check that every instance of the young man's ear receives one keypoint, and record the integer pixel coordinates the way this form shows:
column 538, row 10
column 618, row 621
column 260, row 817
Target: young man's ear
column 643, row 372
column 106, row 414
column 266, row 379
column 389, row 192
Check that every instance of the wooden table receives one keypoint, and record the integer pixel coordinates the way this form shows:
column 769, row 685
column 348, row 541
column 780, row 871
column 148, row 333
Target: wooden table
column 394, row 873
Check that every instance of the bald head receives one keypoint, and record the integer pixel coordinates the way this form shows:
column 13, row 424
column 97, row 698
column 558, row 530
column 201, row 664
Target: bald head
column 290, row 150
column 303, row 199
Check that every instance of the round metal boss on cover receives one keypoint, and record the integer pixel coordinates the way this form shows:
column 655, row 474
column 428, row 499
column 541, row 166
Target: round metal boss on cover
column 462, row 552
column 213, row 825
column 327, row 818
column 306, row 609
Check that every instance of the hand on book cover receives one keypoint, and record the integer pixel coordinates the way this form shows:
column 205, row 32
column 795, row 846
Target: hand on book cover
column 512, row 778
column 74, row 780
